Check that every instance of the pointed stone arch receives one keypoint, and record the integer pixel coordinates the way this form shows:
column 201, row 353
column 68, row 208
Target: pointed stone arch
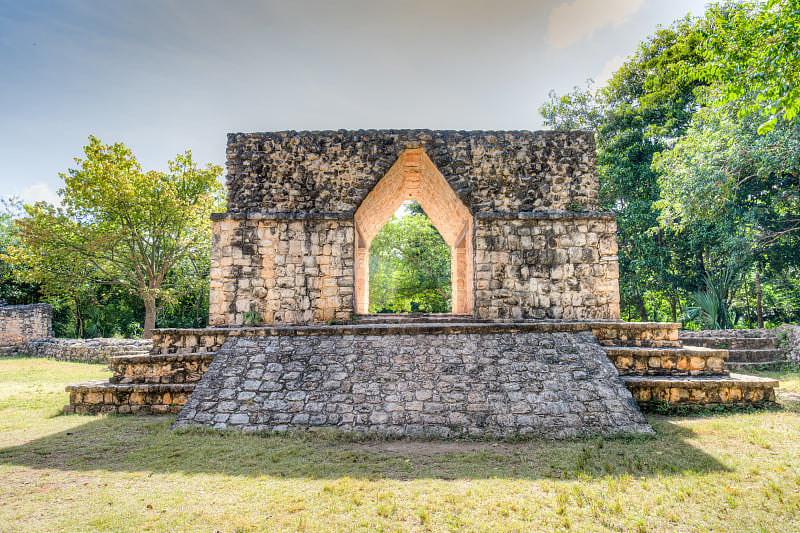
column 415, row 177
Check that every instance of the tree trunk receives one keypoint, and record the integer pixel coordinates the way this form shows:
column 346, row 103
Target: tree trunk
column 759, row 308
column 149, row 318
column 78, row 317
column 641, row 309
column 673, row 307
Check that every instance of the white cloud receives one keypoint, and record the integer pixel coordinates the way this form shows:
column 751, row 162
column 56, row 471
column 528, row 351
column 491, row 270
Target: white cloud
column 608, row 70
column 572, row 21
column 40, row 192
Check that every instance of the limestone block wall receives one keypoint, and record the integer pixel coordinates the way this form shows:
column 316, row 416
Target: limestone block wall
column 285, row 270
column 547, row 267
column 789, row 335
column 20, row 323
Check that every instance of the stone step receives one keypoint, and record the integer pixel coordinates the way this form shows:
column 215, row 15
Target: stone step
column 765, row 365
column 735, row 389
column 160, row 368
column 730, row 343
column 644, row 334
column 145, row 398
column 417, row 318
column 9, row 349
column 755, row 356
column 635, row 360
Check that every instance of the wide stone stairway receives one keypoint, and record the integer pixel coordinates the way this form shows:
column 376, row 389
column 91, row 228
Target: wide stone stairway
column 651, row 359
column 747, row 348
column 662, row 370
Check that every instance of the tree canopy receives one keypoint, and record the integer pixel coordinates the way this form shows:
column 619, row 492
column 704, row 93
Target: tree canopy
column 752, row 53
column 146, row 232
column 706, row 195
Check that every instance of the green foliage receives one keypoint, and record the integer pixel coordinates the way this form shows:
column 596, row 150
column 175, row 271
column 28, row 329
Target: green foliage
column 752, row 51
column 145, row 232
column 712, row 305
column 252, row 318
column 15, row 287
column 696, row 189
column 409, row 266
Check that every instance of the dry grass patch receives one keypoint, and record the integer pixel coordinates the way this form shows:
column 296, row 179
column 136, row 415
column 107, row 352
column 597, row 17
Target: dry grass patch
column 729, row 472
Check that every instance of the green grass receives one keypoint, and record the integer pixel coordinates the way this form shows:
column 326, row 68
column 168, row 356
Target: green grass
column 728, row 472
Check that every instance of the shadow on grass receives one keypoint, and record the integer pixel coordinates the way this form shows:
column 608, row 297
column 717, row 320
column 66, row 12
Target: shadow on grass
column 146, row 444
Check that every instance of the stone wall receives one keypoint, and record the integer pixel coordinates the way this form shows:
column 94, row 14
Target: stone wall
column 20, row 323
column 449, row 384
column 789, row 341
column 83, row 350
column 285, row 270
column 319, row 173
column 561, row 267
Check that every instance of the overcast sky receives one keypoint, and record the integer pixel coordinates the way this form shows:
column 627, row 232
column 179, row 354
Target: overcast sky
column 165, row 76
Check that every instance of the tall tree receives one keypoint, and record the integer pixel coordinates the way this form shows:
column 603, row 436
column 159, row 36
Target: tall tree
column 644, row 105
column 148, row 232
column 753, row 50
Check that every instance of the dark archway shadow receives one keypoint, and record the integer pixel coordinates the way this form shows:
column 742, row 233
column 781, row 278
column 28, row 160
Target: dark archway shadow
column 146, row 444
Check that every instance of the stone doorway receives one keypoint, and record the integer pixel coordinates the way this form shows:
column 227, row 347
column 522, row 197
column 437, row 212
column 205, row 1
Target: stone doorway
column 415, row 177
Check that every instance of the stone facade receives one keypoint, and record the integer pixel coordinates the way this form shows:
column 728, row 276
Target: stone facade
column 20, row 323
column 518, row 210
column 285, row 270
column 509, row 382
column 563, row 268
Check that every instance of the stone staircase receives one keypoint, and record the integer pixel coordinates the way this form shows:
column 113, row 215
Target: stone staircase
column 746, row 348
column 660, row 369
column 154, row 383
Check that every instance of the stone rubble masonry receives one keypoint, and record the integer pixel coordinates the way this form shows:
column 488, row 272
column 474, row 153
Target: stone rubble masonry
column 83, row 350
column 445, row 384
column 527, row 239
column 791, row 341
column 21, row 323
column 317, row 174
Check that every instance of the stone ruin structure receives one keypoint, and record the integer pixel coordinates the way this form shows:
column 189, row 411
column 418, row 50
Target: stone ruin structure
column 518, row 210
column 22, row 323
column 534, row 344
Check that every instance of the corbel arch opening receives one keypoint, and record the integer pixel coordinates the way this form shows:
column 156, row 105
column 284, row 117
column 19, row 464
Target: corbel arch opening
column 415, row 177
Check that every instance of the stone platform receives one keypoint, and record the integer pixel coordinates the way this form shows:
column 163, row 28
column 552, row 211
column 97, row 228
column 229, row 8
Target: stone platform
column 648, row 358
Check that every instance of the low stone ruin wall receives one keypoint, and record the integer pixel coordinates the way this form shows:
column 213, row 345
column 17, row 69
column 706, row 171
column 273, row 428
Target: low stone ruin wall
column 788, row 339
column 733, row 333
column 414, row 382
column 20, row 323
column 82, row 350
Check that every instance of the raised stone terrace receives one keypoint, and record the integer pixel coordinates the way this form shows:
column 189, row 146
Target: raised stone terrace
column 648, row 358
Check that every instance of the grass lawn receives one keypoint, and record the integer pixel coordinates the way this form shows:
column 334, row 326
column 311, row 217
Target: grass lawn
column 724, row 472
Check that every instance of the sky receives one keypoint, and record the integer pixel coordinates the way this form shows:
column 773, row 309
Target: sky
column 165, row 76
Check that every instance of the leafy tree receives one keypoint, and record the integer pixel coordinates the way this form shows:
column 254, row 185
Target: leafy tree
column 723, row 169
column 409, row 266
column 146, row 232
column 645, row 104
column 15, row 286
column 753, row 50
